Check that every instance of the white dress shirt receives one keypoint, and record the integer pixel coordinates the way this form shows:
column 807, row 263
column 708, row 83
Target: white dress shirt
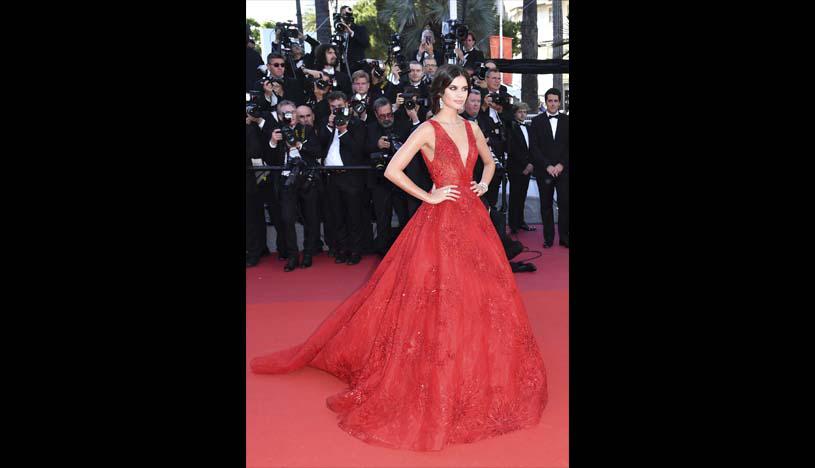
column 333, row 157
column 526, row 135
column 553, row 124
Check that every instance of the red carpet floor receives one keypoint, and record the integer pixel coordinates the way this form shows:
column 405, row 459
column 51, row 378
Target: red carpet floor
column 287, row 421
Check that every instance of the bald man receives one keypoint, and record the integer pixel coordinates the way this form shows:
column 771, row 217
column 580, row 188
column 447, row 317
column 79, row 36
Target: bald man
column 305, row 116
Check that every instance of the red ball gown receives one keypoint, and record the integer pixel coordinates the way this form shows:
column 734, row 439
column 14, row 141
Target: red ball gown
column 436, row 347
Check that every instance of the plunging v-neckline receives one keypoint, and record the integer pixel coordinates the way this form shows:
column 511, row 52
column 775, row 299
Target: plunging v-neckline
column 467, row 156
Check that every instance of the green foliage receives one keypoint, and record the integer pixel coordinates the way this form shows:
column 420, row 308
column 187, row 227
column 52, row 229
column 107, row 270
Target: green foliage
column 365, row 13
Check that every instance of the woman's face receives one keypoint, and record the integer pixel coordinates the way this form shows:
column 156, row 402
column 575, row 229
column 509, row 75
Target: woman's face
column 455, row 94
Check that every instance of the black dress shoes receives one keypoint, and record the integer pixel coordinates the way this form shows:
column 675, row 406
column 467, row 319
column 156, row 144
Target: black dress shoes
column 250, row 262
column 354, row 259
column 306, row 260
column 291, row 264
column 527, row 227
column 341, row 257
column 547, row 244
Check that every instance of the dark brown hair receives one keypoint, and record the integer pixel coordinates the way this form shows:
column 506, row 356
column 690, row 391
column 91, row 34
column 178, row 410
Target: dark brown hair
column 444, row 76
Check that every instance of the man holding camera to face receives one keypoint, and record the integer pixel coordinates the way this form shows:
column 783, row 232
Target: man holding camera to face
column 295, row 147
column 386, row 134
column 325, row 68
column 277, row 86
column 496, row 107
column 358, row 39
column 342, row 137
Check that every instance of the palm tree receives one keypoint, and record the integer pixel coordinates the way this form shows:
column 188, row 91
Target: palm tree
column 408, row 17
column 529, row 50
column 323, row 25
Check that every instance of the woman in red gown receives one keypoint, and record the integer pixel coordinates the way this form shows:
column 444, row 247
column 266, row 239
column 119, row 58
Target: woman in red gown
column 436, row 347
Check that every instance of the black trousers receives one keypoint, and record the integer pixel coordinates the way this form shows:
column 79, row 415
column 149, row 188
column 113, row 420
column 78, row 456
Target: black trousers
column 255, row 226
column 294, row 201
column 382, row 194
column 547, row 186
column 329, row 231
column 269, row 192
column 518, row 186
column 344, row 194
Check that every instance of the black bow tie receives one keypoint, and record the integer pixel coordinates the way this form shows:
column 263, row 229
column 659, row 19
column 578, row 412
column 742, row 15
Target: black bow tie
column 556, row 116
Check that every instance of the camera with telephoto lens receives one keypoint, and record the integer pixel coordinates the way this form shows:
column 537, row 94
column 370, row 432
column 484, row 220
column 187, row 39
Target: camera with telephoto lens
column 341, row 116
column 257, row 106
column 452, row 31
column 480, row 71
column 372, row 66
column 297, row 167
column 380, row 159
column 412, row 100
column 291, row 135
column 359, row 106
column 395, row 55
column 348, row 18
column 288, row 34
column 499, row 99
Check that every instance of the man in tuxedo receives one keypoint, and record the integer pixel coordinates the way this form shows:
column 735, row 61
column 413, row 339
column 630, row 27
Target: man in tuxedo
column 472, row 112
column 282, row 87
column 427, row 48
column 255, row 223
column 386, row 196
column 498, row 115
column 358, row 39
column 413, row 84
column 294, row 195
column 550, row 159
column 325, row 67
column 345, row 146
column 519, row 168
column 469, row 54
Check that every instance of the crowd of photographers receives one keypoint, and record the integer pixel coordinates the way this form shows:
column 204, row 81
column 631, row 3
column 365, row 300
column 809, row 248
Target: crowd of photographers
column 331, row 120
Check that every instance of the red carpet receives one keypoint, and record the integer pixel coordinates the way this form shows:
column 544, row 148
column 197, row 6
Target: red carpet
column 287, row 421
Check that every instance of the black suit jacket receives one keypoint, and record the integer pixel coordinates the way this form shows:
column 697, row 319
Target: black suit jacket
column 519, row 152
column 310, row 150
column 472, row 57
column 253, row 61
column 358, row 43
column 416, row 169
column 352, row 149
column 549, row 149
column 483, row 121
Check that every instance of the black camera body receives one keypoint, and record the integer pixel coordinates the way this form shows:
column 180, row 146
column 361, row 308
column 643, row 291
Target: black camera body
column 257, row 106
column 291, row 135
column 499, row 98
column 288, row 34
column 412, row 100
column 481, row 71
column 453, row 31
column 380, row 159
column 359, row 106
column 395, row 52
column 342, row 116
column 348, row 18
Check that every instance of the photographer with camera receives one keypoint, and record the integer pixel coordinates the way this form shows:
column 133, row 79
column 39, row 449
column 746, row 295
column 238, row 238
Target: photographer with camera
column 253, row 61
column 325, row 68
column 496, row 106
column 468, row 54
column 427, row 48
column 342, row 137
column 380, row 85
column 385, row 136
column 295, row 147
column 358, row 39
column 281, row 86
column 414, row 93
column 320, row 88
column 364, row 95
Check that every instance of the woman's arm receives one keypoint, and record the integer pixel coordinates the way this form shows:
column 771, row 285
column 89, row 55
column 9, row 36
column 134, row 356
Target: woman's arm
column 395, row 170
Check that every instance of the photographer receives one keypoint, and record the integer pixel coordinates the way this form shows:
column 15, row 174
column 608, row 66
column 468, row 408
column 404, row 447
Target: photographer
column 281, row 86
column 294, row 146
column 427, row 48
column 385, row 135
column 469, row 54
column 253, row 61
column 415, row 90
column 325, row 67
column 380, row 82
column 342, row 136
column 497, row 108
column 319, row 90
column 358, row 39
column 363, row 94
column 260, row 187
